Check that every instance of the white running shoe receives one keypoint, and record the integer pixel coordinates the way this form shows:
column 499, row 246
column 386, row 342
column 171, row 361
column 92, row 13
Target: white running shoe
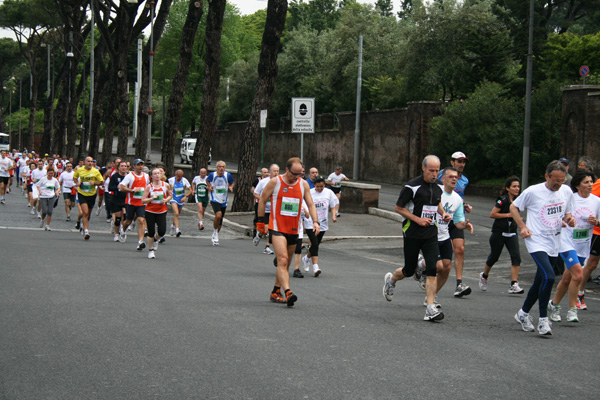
column 86, row 235
column 462, row 290
column 554, row 311
column 172, row 232
column 572, row 315
column 316, row 271
column 268, row 250
column 200, row 225
column 122, row 236
column 151, row 254
column 306, row 262
column 215, row 239
column 482, row 282
column 423, row 282
column 141, row 245
column 116, row 237
column 177, row 233
column 47, row 228
column 525, row 320
column 435, row 302
column 433, row 313
column 545, row 326
column 388, row 287
column 155, row 246
column 515, row 289
column 420, row 268
column 256, row 239
column 32, row 212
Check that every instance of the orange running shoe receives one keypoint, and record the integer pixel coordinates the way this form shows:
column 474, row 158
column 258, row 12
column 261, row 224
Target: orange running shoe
column 276, row 297
column 581, row 303
column 290, row 298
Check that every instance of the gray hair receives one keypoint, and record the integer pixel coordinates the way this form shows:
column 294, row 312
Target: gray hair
column 555, row 166
column 589, row 163
column 430, row 157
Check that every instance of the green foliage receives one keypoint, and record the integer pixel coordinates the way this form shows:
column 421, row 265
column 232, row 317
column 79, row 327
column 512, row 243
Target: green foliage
column 319, row 15
column 242, row 82
column 564, row 54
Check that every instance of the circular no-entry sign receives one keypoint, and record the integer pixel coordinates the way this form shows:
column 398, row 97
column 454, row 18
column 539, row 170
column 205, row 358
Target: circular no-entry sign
column 584, row 70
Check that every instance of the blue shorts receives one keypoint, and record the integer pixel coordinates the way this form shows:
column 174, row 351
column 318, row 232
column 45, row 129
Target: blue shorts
column 571, row 258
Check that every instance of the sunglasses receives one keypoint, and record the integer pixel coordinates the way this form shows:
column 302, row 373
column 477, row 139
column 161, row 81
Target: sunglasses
column 296, row 173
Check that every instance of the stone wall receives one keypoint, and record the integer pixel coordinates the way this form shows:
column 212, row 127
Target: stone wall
column 580, row 133
column 393, row 143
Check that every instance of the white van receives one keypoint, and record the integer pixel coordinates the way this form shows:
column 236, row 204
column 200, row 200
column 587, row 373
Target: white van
column 187, row 150
column 4, row 141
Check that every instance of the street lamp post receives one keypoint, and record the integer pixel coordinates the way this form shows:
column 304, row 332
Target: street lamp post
column 150, row 65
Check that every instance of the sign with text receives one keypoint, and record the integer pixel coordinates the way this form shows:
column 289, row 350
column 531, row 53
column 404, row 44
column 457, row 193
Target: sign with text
column 263, row 118
column 303, row 114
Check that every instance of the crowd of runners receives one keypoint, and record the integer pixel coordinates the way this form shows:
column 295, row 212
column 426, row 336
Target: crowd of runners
column 563, row 220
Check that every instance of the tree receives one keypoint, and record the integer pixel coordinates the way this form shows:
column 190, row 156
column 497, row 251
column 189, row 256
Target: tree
column 212, row 77
column 10, row 57
column 267, row 75
column 188, row 37
column 385, row 7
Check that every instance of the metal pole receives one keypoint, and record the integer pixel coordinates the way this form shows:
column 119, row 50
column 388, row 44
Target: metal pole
column 527, row 128
column 356, row 170
column 48, row 82
column 138, row 84
column 20, row 113
column 91, row 72
column 150, row 65
column 10, row 117
column 262, row 149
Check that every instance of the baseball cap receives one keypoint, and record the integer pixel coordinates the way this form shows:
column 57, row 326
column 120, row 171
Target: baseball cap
column 564, row 160
column 138, row 161
column 459, row 155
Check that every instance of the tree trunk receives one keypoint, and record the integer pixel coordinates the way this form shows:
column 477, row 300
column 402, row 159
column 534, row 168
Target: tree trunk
column 72, row 103
column 188, row 37
column 210, row 90
column 100, row 85
column 267, row 75
column 111, row 120
column 123, row 101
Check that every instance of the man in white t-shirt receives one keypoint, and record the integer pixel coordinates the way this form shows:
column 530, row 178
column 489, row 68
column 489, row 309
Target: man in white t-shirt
column 547, row 208
column 6, row 165
column 334, row 180
column 66, row 182
column 36, row 174
column 260, row 187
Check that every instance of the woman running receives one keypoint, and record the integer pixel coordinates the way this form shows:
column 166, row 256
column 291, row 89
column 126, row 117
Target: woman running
column 575, row 244
column 324, row 199
column 156, row 197
column 49, row 189
column 504, row 233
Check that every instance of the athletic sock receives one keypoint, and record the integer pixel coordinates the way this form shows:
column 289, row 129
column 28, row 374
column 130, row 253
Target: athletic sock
column 458, row 282
column 275, row 289
column 512, row 282
column 581, row 293
column 483, row 275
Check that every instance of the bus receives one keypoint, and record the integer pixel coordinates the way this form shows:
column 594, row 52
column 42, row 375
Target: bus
column 4, row 141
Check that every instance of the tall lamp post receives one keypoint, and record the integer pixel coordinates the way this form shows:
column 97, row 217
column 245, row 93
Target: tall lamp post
column 150, row 66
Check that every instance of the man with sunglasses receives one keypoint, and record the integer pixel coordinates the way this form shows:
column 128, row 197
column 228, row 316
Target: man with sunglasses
column 219, row 184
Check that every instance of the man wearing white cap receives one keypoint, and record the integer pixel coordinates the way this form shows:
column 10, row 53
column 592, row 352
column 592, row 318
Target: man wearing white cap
column 458, row 160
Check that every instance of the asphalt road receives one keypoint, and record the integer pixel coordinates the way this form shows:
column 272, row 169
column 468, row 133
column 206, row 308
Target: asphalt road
column 98, row 320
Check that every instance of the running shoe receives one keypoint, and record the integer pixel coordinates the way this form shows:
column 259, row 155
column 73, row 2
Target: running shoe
column 462, row 290
column 32, row 212
column 306, row 262
column 2, row 201
column 581, row 303
column 572, row 315
column 173, row 231
column 276, row 297
column 268, row 250
column 122, row 236
column 483, row 282
column 388, row 287
column 215, row 239
column 432, row 313
column 596, row 280
column 515, row 289
column 423, row 282
column 337, row 215
column 141, row 245
column 435, row 303
column 98, row 210
column 41, row 223
column 151, row 254
column 68, row 218
column 298, row 274
column 155, row 246
column 177, row 233
column 554, row 311
column 544, row 327
column 162, row 240
column 86, row 234
column 47, row 228
column 39, row 215
column 525, row 320
column 109, row 221
column 116, row 237
column 200, row 226
column 256, row 239
column 290, row 298
column 419, row 270
column 316, row 271
column 77, row 225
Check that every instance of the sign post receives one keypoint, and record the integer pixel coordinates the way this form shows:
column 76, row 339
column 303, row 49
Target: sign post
column 303, row 118
column 263, row 125
column 584, row 71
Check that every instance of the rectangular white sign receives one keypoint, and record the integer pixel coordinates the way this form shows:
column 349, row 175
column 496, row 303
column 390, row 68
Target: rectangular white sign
column 263, row 118
column 303, row 115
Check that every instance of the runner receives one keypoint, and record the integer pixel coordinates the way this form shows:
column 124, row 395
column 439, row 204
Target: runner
column 134, row 185
column 264, row 172
column 424, row 196
column 575, row 244
column 218, row 184
column 86, row 179
column 36, row 174
column 324, row 199
column 118, row 199
column 286, row 193
column 504, row 233
column 199, row 188
column 592, row 261
column 260, row 187
column 49, row 189
column 67, row 184
column 181, row 189
column 6, row 166
column 547, row 208
column 334, row 180
column 156, row 196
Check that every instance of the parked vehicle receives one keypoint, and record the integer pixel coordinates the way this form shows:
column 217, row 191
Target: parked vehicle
column 187, row 151
column 5, row 142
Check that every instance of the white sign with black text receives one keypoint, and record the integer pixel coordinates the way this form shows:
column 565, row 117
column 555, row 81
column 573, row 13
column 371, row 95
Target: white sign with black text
column 303, row 114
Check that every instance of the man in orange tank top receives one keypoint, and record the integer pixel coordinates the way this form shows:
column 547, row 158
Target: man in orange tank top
column 592, row 261
column 286, row 193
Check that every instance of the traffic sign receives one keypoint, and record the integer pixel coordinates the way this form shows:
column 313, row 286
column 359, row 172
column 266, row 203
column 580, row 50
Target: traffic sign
column 584, row 70
column 303, row 115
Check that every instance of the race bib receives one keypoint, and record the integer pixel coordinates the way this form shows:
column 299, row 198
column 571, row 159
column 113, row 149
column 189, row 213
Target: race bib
column 290, row 206
column 50, row 187
column 201, row 191
column 429, row 212
column 159, row 197
column 220, row 190
column 86, row 187
column 581, row 234
column 138, row 193
column 179, row 192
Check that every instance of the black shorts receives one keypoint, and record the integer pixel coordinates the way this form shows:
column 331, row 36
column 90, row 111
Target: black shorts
column 455, row 233
column 117, row 204
column 336, row 190
column 429, row 248
column 4, row 179
column 445, row 249
column 218, row 207
column 595, row 245
column 89, row 200
column 138, row 211
column 292, row 240
column 29, row 188
column 69, row 196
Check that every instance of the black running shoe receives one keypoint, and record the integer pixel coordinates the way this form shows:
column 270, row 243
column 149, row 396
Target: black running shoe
column 298, row 274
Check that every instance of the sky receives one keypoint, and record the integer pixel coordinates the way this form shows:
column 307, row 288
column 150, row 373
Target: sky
column 251, row 6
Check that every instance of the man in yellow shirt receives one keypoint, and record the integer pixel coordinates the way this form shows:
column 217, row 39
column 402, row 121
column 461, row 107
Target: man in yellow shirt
column 86, row 179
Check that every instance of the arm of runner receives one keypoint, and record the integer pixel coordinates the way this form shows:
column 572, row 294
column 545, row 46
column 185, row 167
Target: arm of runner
column 445, row 216
column 406, row 214
column 570, row 220
column 265, row 196
column 146, row 197
column 516, row 216
column 169, row 195
column 312, row 210
column 496, row 214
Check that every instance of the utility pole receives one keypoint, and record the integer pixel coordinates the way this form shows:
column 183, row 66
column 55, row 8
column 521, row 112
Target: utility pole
column 528, row 84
